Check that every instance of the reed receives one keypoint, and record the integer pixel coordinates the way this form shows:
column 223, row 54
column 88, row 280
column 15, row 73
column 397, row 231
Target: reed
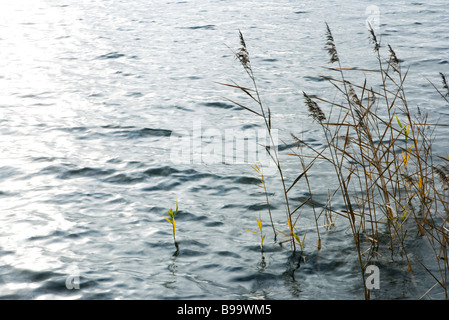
column 171, row 219
column 380, row 149
column 242, row 55
column 260, row 232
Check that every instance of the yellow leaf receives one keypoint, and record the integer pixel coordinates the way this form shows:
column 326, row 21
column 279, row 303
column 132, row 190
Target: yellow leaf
column 168, row 220
column 289, row 225
column 406, row 158
column 256, row 168
column 259, row 223
column 368, row 174
column 399, row 122
column 296, row 237
column 251, row 231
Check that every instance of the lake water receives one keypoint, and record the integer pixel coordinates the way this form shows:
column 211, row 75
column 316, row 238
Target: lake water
column 98, row 100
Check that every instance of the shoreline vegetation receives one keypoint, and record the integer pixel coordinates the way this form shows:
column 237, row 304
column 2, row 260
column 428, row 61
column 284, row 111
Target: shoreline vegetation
column 379, row 149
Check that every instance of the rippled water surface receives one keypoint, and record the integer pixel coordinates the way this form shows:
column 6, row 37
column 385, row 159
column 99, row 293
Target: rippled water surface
column 92, row 95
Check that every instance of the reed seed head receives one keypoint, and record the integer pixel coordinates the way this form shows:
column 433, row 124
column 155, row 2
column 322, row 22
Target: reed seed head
column 443, row 175
column 314, row 110
column 408, row 179
column 330, row 46
column 354, row 98
column 242, row 53
column 445, row 86
column 394, row 61
column 373, row 38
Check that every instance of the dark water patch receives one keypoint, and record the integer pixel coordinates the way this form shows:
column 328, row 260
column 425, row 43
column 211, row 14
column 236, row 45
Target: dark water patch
column 188, row 216
column 99, row 295
column 187, row 252
column 85, row 172
column 122, row 178
column 427, row 11
column 56, row 233
column 110, row 55
column 287, row 146
column 96, row 95
column 250, row 126
column 210, row 266
column 117, row 161
column 157, row 209
column 43, row 159
column 161, row 171
column 162, row 244
column 314, row 79
column 182, row 108
column 214, row 224
column 42, row 276
column 134, row 94
column 79, row 198
column 259, row 207
column 181, row 175
column 231, row 206
column 220, row 190
column 228, row 254
column 113, row 126
column 133, row 133
column 166, row 186
column 7, row 172
column 219, row 105
column 117, row 200
column 29, row 276
column 189, row 175
column 245, row 180
column 269, row 60
column 74, row 129
column 193, row 243
column 300, row 12
column 154, row 132
column 78, row 235
column 35, row 96
column 52, row 169
column 205, row 27
column 257, row 278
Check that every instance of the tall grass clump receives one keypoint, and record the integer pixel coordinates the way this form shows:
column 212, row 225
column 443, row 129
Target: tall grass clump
column 390, row 183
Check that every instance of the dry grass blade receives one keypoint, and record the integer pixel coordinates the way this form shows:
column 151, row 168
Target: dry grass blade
column 300, row 176
column 242, row 106
column 245, row 90
column 351, row 69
